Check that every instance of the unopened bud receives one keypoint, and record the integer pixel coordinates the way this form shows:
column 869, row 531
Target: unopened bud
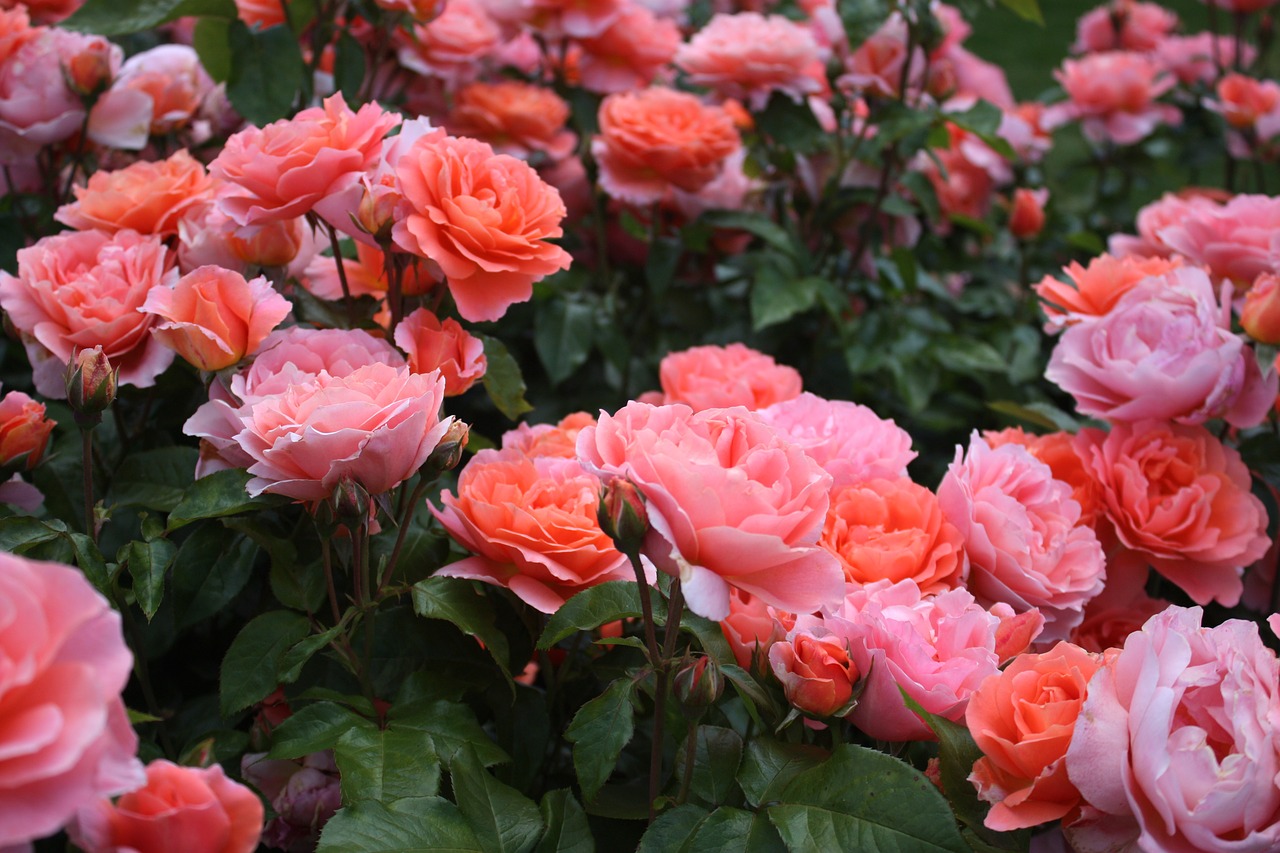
column 375, row 213
column 698, row 685
column 88, row 73
column 274, row 244
column 1026, row 217
column 1260, row 316
column 91, row 384
column 622, row 515
column 448, row 452
column 349, row 502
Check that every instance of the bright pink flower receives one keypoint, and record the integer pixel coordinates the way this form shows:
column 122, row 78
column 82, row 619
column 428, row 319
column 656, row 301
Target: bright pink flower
column 433, row 344
column 64, row 735
column 195, row 809
column 758, row 535
column 716, row 377
column 749, row 56
column 1239, row 240
column 875, row 68
column 851, row 443
column 1114, row 95
column 1124, row 25
column 1175, row 747
column 630, row 53
column 1023, row 535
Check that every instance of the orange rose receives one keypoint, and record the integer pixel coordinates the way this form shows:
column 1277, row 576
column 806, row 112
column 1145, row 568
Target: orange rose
column 1260, row 316
column 147, row 197
column 1022, row 719
column 1095, row 289
column 548, row 440
column 815, row 672
column 515, row 118
column 444, row 346
column 24, row 430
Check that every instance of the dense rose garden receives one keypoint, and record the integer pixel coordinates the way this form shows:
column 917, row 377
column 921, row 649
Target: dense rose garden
column 535, row 425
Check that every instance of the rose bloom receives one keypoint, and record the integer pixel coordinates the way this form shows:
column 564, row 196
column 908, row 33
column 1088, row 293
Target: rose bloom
column 1164, row 351
column 264, row 13
column 658, row 139
column 578, row 19
column 1058, row 451
column 1026, row 214
column 531, row 523
column 816, row 673
column 711, row 377
column 78, row 290
column 304, row 793
column 45, row 11
column 630, row 53
column 366, row 275
column 875, row 68
column 1023, row 534
column 752, row 627
column 560, row 439
column 758, row 535
column 1111, row 617
column 1094, row 289
column 284, row 169
column 1175, row 747
column 433, row 344
column 1022, row 719
column 1124, row 25
column 485, row 218
column 515, row 118
column 1243, row 100
column 196, row 809
column 148, row 196
column 1182, row 500
column 1113, row 93
column 963, row 178
column 1167, row 210
column 173, row 78
column 851, row 443
column 213, row 317
column 24, row 431
column 452, row 45
column 64, row 735
column 1194, row 58
column 749, row 56
column 1235, row 241
column 1260, row 316
column 893, row 530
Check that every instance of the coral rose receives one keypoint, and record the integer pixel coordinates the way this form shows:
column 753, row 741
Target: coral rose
column 658, row 139
column 1113, row 94
column 193, row 809
column 1095, row 289
column 515, row 118
column 451, row 45
column 816, row 673
column 715, row 377
column 1022, row 719
column 752, row 627
column 213, row 317
column 24, row 431
column 1124, row 25
column 531, row 523
column 171, row 76
column 1026, row 215
column 1260, row 316
column 560, row 439
column 630, row 54
column 78, row 290
column 1182, row 500
column 749, row 56
column 851, row 443
column 757, row 535
column 64, row 735
column 433, row 344
column 485, row 218
column 1057, row 450
column 148, row 196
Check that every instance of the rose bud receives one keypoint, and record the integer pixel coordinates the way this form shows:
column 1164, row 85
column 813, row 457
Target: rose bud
column 448, row 452
column 273, row 244
column 24, row 431
column 622, row 516
column 698, row 685
column 816, row 674
column 91, row 384
column 1026, row 215
column 1260, row 316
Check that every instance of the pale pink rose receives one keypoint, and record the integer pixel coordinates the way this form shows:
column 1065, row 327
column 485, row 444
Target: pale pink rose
column 64, row 735
column 630, row 54
column 1114, row 95
column 443, row 345
column 750, row 56
column 758, row 535
column 1239, row 240
column 78, row 290
column 452, row 45
column 752, row 627
column 852, row 443
column 715, row 377
column 1124, row 25
column 213, row 317
column 303, row 793
column 1194, row 58
column 1169, row 209
column 173, row 78
column 1175, row 746
column 1023, row 534
column 531, row 523
column 373, row 427
column 1181, row 500
column 1165, row 352
column 284, row 169
column 194, row 809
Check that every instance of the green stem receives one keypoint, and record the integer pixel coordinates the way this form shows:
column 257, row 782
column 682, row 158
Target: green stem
column 340, row 263
column 690, row 755
column 90, row 523
column 405, row 517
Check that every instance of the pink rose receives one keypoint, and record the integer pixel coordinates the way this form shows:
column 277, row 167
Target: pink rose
column 1165, row 351
column 367, row 274
column 579, row 19
column 559, row 439
column 1023, row 534
column 171, row 76
column 875, row 68
column 757, row 535
column 1094, row 290
column 1175, row 747
column 193, row 809
column 1167, row 210
column 64, row 734
column 452, row 45
column 78, row 290
column 1114, row 95
column 711, row 377
column 851, row 443
column 443, row 345
column 1239, row 240
column 1194, row 58
column 1124, row 25
column 749, row 56
column 37, row 106
column 304, row 794
column 630, row 53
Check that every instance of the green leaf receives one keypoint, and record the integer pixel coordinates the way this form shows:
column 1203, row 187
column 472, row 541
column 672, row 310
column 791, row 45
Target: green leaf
column 451, row 726
column 412, row 825
column 22, row 533
column 90, row 561
column 596, row 606
column 672, row 829
column 710, row 636
column 503, row 819
column 963, row 355
column 250, row 669
column 730, row 830
column 715, row 765
column 155, row 479
column 776, row 297
column 790, row 124
column 457, row 601
column 293, row 660
column 215, row 496
column 753, row 223
column 386, row 765
column 1028, row 10
column 209, row 571
column 566, row 822
column 267, row 72
column 211, row 39
column 857, row 800
column 562, row 336
column 502, row 379
column 313, row 728
column 599, row 731
column 770, row 765
column 1041, row 414
column 348, row 67
column 661, row 263
column 121, row 17
column 148, row 562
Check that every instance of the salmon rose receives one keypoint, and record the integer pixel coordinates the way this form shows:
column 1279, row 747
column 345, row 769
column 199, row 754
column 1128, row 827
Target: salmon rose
column 147, row 197
column 711, row 377
column 515, row 118
column 443, row 345
column 749, row 56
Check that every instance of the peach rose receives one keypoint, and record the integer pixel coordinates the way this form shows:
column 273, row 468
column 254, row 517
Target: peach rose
column 851, row 443
column 1113, row 94
column 149, row 197
column 1243, row 100
column 24, row 431
column 531, row 523
column 435, row 344
column 451, row 45
column 484, row 218
column 1022, row 719
column 78, row 290
column 1182, row 500
column 752, row 627
column 548, row 440
column 750, row 56
column 515, row 118
column 1094, row 289
column 658, row 139
column 578, row 19
column 1260, row 316
column 711, row 377
column 816, row 673
column 194, row 809
column 1057, row 450
column 173, row 78
column 630, row 53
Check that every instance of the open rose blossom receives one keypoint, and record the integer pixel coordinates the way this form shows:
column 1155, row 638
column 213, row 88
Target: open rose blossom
column 531, row 523
column 435, row 344
column 1175, row 747
column 374, row 427
column 1181, row 499
column 1023, row 535
column 1058, row 451
column 1094, row 289
column 1124, row 25
column 1165, row 351
column 757, row 535
column 715, row 377
column 851, row 443
column 559, row 439
column 1022, row 719
column 485, row 218
column 213, row 317
column 1169, row 209
column 630, row 53
column 515, row 118
column 193, row 809
column 749, row 56
column 147, row 197
column 1236, row 240
column 452, row 44
column 1113, row 94
column 78, row 290
column 752, row 627
column 64, row 735
column 816, row 673
column 172, row 79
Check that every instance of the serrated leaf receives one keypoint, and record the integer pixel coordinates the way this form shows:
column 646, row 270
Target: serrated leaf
column 562, row 336
column 155, row 479
column 456, row 601
column 267, row 72
column 296, row 657
column 90, row 561
column 250, row 669
column 209, row 571
column 313, row 728
column 731, row 830
column 21, row 533
column 451, row 726
column 503, row 819
column 503, row 381
column 220, row 494
column 567, row 829
column 769, row 766
column 386, row 765
column 413, row 825
column 753, row 223
column 121, row 17
column 596, row 606
column 776, row 297
column 717, row 757
column 672, row 829
column 599, row 731
column 147, row 563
